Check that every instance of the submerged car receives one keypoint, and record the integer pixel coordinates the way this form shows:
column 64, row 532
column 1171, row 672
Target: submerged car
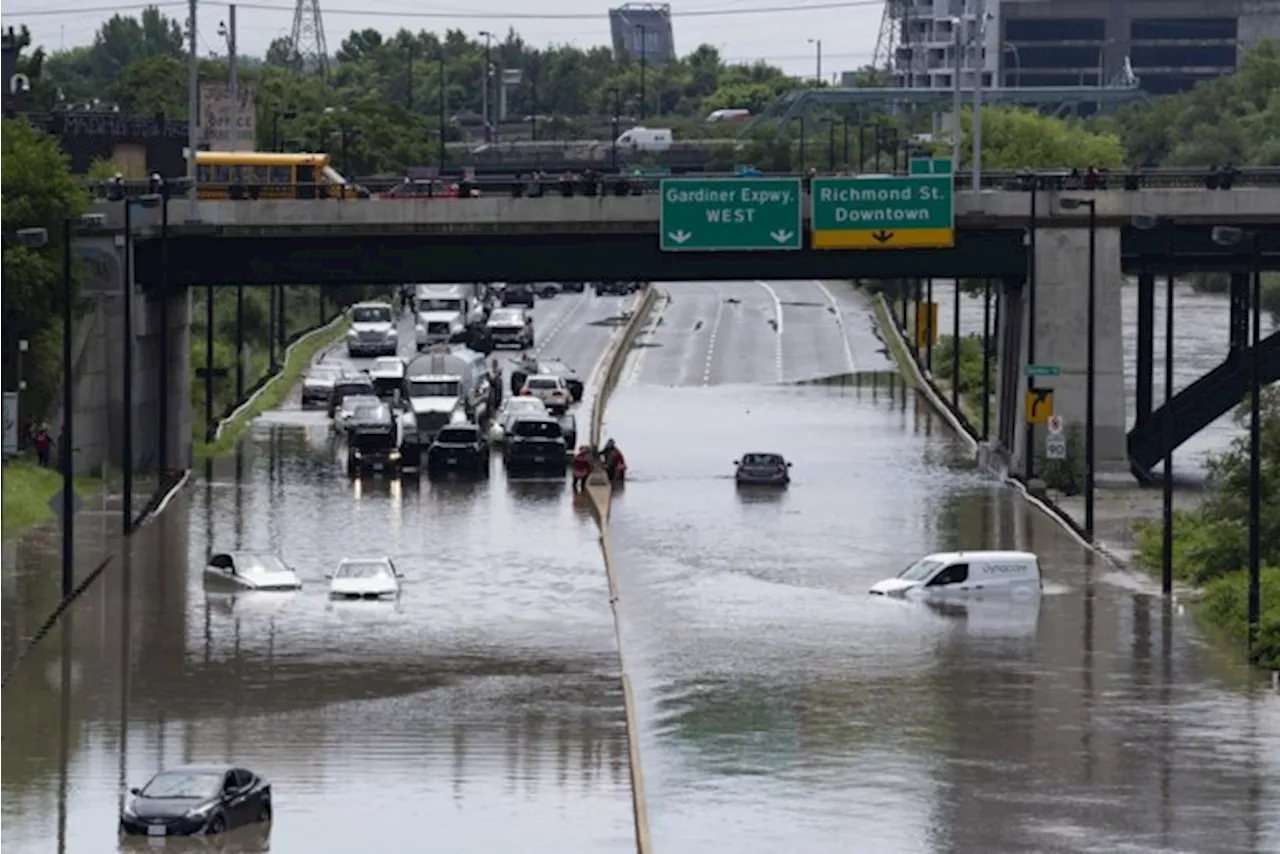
column 196, row 799
column 512, row 408
column 373, row 440
column 251, row 571
column 459, row 448
column 557, row 368
column 350, row 385
column 347, row 409
column 365, row 578
column 317, row 385
column 949, row 573
column 535, row 444
column 762, row 470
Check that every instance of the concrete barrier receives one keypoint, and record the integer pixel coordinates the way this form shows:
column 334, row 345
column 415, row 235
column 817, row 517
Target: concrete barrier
column 599, row 495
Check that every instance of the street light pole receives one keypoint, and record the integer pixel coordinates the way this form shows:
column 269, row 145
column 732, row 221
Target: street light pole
column 126, row 456
column 644, row 63
column 68, row 417
column 817, row 78
column 1090, row 450
column 484, row 84
column 443, row 110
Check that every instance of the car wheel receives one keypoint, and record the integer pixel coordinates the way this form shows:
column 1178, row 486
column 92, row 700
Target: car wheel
column 264, row 814
column 217, row 825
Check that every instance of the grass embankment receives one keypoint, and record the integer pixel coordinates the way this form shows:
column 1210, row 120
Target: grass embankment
column 27, row 489
column 275, row 391
column 900, row 354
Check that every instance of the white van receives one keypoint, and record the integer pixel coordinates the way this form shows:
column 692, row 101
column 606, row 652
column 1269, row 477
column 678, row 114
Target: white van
column 965, row 573
column 728, row 116
column 646, row 139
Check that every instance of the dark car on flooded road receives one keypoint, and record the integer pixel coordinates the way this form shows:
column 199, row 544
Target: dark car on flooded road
column 460, row 448
column 762, row 470
column 191, row 800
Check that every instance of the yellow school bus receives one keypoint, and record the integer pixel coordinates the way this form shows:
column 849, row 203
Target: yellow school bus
column 268, row 175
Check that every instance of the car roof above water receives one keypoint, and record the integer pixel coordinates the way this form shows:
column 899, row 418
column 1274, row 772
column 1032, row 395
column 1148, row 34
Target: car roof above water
column 958, row 557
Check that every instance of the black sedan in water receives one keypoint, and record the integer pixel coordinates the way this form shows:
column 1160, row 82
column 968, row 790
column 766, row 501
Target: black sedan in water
column 191, row 800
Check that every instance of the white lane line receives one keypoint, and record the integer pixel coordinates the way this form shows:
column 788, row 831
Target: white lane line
column 644, row 339
column 711, row 343
column 777, row 313
column 844, row 333
column 544, row 340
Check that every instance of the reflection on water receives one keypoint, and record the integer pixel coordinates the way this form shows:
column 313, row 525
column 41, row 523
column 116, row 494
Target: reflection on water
column 486, row 697
column 783, row 708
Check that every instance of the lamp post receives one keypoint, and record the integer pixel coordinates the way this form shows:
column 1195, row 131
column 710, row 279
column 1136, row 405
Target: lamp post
column 443, row 96
column 1147, row 222
column 1231, row 236
column 28, row 237
column 617, row 118
column 644, row 64
column 1090, row 451
column 484, row 83
column 149, row 200
column 817, row 77
column 1033, row 227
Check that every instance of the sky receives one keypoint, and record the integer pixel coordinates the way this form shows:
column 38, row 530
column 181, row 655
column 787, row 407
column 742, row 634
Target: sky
column 779, row 33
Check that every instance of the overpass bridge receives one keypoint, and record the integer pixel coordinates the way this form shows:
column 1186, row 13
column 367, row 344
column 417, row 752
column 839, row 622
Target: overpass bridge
column 1017, row 238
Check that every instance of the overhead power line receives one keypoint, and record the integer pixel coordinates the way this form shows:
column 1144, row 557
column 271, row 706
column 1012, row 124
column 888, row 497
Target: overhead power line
column 789, row 8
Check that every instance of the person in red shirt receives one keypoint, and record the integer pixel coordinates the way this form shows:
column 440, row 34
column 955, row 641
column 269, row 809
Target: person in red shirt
column 43, row 443
column 581, row 467
column 615, row 465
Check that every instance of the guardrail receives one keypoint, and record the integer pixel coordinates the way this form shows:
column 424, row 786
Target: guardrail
column 587, row 184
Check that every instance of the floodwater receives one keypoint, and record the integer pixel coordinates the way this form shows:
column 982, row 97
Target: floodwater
column 482, row 711
column 1201, row 335
column 779, row 706
column 782, row 708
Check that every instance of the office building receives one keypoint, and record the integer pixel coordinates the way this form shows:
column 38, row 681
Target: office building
column 643, row 31
column 926, row 33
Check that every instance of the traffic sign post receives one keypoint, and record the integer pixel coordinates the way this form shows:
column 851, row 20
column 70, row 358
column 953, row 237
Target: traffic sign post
column 731, row 214
column 1039, row 405
column 883, row 213
column 926, row 324
column 1054, row 424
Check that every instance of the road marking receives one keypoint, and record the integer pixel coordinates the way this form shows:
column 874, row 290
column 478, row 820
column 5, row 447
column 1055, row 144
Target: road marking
column 844, row 333
column 642, row 341
column 711, row 343
column 777, row 312
column 555, row 330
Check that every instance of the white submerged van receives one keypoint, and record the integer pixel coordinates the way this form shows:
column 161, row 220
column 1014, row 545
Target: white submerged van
column 952, row 573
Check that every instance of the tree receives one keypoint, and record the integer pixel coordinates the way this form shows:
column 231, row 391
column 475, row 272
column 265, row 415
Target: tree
column 1016, row 139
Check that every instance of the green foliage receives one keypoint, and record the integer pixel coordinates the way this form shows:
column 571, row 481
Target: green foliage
column 27, row 490
column 1225, row 605
column 970, row 364
column 1014, row 139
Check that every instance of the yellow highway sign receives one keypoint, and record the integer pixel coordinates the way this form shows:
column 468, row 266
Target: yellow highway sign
column 1039, row 405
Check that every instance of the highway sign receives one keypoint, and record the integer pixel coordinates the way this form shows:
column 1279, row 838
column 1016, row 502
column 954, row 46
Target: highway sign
column 1043, row 371
column 731, row 214
column 883, row 213
column 937, row 166
column 1039, row 405
column 926, row 324
column 1055, row 446
column 1054, row 424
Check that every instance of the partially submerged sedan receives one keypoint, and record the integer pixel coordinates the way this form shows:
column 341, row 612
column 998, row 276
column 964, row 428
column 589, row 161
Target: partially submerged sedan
column 365, row 578
column 192, row 800
column 251, row 571
column 761, row 469
column 317, row 384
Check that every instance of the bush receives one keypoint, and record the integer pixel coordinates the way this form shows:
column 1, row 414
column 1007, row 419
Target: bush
column 1225, row 605
column 1065, row 476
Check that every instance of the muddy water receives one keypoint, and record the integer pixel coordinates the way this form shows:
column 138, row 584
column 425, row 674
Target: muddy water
column 1200, row 335
column 481, row 711
column 782, row 708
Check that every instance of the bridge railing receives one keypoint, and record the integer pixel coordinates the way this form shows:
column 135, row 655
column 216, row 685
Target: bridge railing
column 601, row 184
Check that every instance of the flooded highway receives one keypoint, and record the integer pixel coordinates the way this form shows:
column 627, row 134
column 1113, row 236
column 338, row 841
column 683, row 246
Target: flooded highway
column 482, row 711
column 782, row 708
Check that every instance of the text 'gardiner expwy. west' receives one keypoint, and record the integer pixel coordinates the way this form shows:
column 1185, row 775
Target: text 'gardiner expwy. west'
column 729, row 196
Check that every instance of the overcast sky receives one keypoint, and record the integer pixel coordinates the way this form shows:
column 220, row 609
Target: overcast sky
column 780, row 35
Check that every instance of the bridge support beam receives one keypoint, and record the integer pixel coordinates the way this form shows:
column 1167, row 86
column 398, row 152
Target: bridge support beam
column 1146, row 349
column 1062, row 279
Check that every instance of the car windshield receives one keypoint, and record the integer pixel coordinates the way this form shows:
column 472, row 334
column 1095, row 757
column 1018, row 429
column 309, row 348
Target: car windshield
column 921, row 570
column 439, row 304
column 388, row 364
column 435, row 388
column 524, row 405
column 184, row 784
column 538, row 430
column 259, row 564
column 370, row 413
column 542, row 383
column 323, row 372
column 363, row 569
column 371, row 314
column 761, row 460
column 355, row 401
column 456, row 437
column 506, row 318
column 350, row 388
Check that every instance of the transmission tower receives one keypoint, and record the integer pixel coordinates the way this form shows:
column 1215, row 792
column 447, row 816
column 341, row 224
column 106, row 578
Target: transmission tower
column 309, row 48
column 892, row 23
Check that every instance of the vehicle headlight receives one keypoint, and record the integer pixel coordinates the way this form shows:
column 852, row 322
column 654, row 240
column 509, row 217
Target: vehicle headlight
column 394, row 455
column 351, row 333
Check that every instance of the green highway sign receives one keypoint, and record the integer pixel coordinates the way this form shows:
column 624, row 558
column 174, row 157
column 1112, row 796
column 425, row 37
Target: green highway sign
column 883, row 213
column 1043, row 371
column 938, row 166
column 731, row 214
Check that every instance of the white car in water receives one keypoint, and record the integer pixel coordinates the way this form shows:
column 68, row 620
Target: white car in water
column 513, row 408
column 550, row 389
column 251, row 571
column 365, row 578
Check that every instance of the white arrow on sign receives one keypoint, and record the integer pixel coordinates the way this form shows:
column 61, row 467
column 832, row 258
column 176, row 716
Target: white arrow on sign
column 1054, row 424
column 679, row 237
column 781, row 236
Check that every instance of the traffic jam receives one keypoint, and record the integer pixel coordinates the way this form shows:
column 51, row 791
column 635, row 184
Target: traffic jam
column 456, row 402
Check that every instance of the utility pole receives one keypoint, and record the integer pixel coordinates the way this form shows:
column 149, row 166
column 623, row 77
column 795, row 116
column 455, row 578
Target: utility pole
column 979, row 62
column 193, row 104
column 484, row 85
column 957, row 101
column 233, row 86
column 644, row 63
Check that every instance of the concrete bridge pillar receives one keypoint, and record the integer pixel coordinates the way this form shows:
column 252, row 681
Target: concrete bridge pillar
column 1061, row 297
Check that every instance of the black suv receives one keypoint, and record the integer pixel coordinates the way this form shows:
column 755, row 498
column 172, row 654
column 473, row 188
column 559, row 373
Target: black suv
column 518, row 295
column 460, row 448
column 536, row 444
